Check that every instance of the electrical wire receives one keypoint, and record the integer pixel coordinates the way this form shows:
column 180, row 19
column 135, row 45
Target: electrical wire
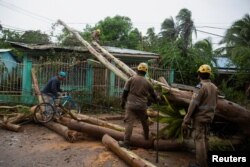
column 25, row 12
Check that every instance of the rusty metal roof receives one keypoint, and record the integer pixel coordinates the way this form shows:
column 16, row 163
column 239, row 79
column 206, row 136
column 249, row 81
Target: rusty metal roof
column 113, row 50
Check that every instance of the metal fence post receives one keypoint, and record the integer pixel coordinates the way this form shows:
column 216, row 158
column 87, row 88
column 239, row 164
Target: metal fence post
column 89, row 81
column 26, row 80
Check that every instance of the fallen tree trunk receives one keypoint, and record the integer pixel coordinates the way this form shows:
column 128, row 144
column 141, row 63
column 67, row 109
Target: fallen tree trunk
column 11, row 126
column 95, row 53
column 69, row 135
column 128, row 156
column 99, row 122
column 122, row 65
column 11, row 116
column 225, row 108
column 36, row 86
column 110, row 118
column 98, row 132
column 163, row 80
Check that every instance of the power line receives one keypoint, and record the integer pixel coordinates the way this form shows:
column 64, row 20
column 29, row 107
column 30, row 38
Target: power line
column 25, row 12
column 210, row 33
column 212, row 27
column 13, row 28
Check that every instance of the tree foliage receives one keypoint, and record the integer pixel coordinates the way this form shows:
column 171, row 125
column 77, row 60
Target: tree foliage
column 116, row 31
column 174, row 44
column 237, row 40
column 34, row 37
column 30, row 37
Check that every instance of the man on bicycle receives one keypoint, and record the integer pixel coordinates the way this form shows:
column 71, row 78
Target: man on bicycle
column 52, row 89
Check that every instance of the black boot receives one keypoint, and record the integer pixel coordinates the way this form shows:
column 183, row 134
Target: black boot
column 124, row 144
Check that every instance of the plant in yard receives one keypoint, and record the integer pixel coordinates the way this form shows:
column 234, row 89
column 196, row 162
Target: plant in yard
column 170, row 117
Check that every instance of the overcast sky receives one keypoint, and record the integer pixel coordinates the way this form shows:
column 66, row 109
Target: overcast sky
column 40, row 14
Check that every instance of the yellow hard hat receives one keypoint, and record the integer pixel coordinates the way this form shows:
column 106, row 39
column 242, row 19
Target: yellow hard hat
column 205, row 69
column 98, row 30
column 142, row 67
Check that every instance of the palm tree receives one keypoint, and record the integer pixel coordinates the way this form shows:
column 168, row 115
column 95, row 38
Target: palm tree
column 203, row 53
column 169, row 29
column 180, row 31
column 186, row 27
column 237, row 40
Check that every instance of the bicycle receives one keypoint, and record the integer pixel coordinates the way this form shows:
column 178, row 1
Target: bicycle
column 68, row 102
column 44, row 112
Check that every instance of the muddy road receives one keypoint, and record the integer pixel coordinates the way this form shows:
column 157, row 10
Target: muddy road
column 38, row 146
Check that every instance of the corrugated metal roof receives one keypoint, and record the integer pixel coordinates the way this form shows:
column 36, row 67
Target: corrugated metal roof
column 224, row 65
column 5, row 50
column 224, row 62
column 110, row 49
column 127, row 51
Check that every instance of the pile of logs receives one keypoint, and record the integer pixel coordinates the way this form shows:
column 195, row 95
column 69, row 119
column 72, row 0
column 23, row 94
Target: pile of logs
column 10, row 116
column 74, row 129
column 226, row 110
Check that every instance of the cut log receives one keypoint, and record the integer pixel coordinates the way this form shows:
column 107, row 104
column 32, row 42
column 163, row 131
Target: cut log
column 69, row 135
column 112, row 118
column 11, row 127
column 98, row 132
column 99, row 122
column 128, row 156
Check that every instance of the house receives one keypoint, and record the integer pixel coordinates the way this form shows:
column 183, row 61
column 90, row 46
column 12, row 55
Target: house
column 10, row 75
column 7, row 61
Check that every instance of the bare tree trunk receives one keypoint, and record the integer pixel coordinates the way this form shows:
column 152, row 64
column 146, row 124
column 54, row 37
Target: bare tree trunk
column 128, row 156
column 69, row 135
column 104, row 61
column 11, row 126
column 109, row 118
column 124, row 66
column 99, row 122
column 225, row 108
column 98, row 132
column 36, row 86
column 163, row 80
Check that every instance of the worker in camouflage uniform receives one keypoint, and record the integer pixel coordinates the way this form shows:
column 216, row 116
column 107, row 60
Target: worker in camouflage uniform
column 96, row 35
column 134, row 99
column 201, row 110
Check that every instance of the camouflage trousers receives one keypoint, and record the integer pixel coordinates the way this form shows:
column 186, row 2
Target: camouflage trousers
column 201, row 133
column 130, row 117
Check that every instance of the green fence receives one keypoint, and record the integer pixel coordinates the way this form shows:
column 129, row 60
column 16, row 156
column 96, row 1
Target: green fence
column 92, row 84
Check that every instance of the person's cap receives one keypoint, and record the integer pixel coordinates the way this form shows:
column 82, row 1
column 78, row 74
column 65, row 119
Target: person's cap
column 205, row 69
column 142, row 67
column 62, row 74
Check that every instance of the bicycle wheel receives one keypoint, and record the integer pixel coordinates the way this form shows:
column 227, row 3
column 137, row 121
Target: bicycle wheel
column 44, row 112
column 73, row 107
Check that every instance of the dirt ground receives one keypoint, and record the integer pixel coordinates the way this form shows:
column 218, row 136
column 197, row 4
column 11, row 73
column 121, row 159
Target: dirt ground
column 38, row 146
